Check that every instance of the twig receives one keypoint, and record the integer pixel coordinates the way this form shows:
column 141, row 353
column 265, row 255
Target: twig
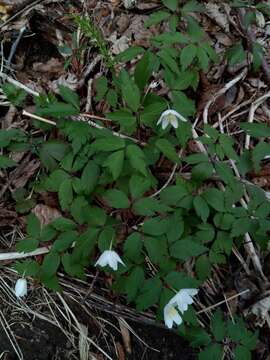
column 14, row 82
column 89, row 122
column 222, row 302
column 221, row 92
column 22, row 255
column 252, row 40
column 254, row 106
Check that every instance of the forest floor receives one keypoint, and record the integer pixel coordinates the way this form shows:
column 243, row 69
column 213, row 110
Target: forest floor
column 86, row 321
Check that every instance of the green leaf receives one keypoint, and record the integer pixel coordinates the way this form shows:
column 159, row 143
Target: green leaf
column 173, row 194
column 33, row 226
column 27, row 268
column 71, row 97
column 168, row 150
column 65, row 194
column 183, row 104
column 131, row 93
column 218, row 326
column 241, row 226
column 58, row 110
column 106, row 239
column 215, row 198
column 136, row 158
column 212, row 352
column 51, row 152
column 170, row 4
column 27, row 245
column 241, row 352
column 256, row 130
column 150, row 294
column 157, row 17
column 168, row 60
column 117, row 199
column 236, row 54
column 101, row 85
column 138, row 185
column 15, row 95
column 201, row 208
column 90, row 176
column 149, row 206
column 194, row 30
column 63, row 224
column 203, row 267
column 50, row 265
column 115, row 163
column 144, row 69
column 192, row 6
column 111, row 143
column 187, row 55
column 52, row 283
column 156, row 248
column 6, row 162
column 129, row 54
column 134, row 283
column 258, row 153
column 64, row 241
column 186, row 248
column 203, row 58
column 133, row 246
column 202, row 171
column 79, row 209
column 198, row 337
column 179, row 280
column 155, row 226
column 170, row 38
column 225, row 172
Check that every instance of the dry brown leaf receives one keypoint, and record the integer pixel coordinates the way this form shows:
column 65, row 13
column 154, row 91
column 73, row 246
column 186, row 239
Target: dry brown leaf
column 125, row 336
column 23, row 172
column 46, row 214
column 52, row 66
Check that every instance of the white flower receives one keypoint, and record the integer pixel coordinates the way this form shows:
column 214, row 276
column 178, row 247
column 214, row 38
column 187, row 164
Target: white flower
column 183, row 298
column 170, row 117
column 111, row 258
column 154, row 84
column 171, row 315
column 21, row 288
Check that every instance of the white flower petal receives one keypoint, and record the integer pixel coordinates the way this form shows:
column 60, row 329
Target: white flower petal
column 111, row 258
column 183, row 298
column 171, row 315
column 191, row 292
column 21, row 288
column 165, row 123
column 160, row 120
column 174, row 123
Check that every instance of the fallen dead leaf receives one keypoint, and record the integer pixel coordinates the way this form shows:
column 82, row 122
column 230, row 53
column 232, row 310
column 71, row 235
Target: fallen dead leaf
column 125, row 336
column 52, row 66
column 46, row 214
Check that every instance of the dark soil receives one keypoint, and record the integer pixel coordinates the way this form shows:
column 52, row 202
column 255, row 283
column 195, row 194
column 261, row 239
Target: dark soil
column 40, row 340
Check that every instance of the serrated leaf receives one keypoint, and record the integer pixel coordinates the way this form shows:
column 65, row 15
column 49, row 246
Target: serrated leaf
column 115, row 163
column 133, row 246
column 90, row 176
column 52, row 151
column 136, row 158
column 236, row 54
column 144, row 69
column 58, row 110
column 186, row 248
column 173, row 194
column 258, row 153
column 150, row 294
column 241, row 352
column 134, row 281
column 138, row 185
column 111, row 143
column 71, row 97
column 64, row 241
column 6, row 162
column 218, row 326
column 215, row 198
column 27, row 268
column 168, row 150
column 257, row 130
column 79, row 209
column 27, row 245
column 201, row 208
column 129, row 54
column 156, row 248
column 33, row 226
column 157, row 17
column 187, row 55
column 155, row 226
column 117, row 199
column 170, row 4
column 65, row 194
column 63, row 224
column 203, row 267
column 212, row 352
column 101, row 85
column 50, row 265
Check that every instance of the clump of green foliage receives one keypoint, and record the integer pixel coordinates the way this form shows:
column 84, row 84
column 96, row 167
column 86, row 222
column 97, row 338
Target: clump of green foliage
column 104, row 182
